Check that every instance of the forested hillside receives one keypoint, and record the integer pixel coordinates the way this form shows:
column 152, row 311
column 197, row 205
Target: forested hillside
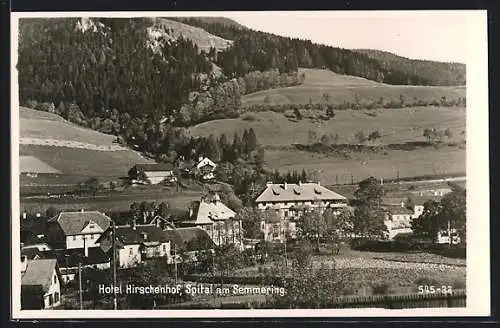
column 254, row 50
column 441, row 73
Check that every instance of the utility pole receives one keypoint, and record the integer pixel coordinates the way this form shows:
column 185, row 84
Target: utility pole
column 352, row 179
column 336, row 179
column 115, row 303
column 80, row 284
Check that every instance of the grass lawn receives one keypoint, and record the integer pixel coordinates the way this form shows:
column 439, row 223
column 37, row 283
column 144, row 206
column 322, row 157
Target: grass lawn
column 82, row 163
column 395, row 125
column 342, row 88
column 38, row 124
column 409, row 163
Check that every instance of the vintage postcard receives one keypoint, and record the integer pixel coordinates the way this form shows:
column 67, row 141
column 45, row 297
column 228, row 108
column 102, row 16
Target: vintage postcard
column 169, row 164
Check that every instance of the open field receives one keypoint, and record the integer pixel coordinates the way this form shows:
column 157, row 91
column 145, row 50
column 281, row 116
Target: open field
column 83, row 163
column 409, row 163
column 111, row 202
column 42, row 125
column 395, row 125
column 342, row 88
column 30, row 164
column 75, row 152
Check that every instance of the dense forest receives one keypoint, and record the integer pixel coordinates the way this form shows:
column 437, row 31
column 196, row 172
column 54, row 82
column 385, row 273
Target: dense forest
column 439, row 72
column 255, row 50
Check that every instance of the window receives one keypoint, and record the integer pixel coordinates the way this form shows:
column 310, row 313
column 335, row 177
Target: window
column 51, row 299
column 275, row 235
column 131, row 251
column 91, row 236
column 56, row 297
column 91, row 226
column 286, row 214
column 74, row 238
column 164, row 247
column 55, row 279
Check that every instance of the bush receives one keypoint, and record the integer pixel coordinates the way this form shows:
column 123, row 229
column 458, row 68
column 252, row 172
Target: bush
column 380, row 289
column 249, row 117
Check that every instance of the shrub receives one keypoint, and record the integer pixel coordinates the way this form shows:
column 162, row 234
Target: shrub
column 249, row 117
column 380, row 289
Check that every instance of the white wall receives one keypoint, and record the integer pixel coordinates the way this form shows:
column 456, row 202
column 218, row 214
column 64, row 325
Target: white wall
column 159, row 251
column 54, row 288
column 77, row 241
column 129, row 256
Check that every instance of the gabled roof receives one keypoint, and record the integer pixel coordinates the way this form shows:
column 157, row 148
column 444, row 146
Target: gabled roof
column 130, row 236
column 208, row 211
column 397, row 210
column 192, row 238
column 72, row 223
column 205, row 161
column 39, row 273
column 155, row 167
column 421, row 200
column 297, row 192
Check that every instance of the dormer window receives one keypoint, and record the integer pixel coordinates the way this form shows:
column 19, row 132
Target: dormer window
column 317, row 191
column 276, row 191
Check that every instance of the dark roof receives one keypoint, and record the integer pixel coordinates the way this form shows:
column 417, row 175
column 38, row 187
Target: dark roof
column 192, row 238
column 36, row 226
column 297, row 192
column 31, row 253
column 130, row 236
column 397, row 210
column 69, row 258
column 155, row 167
column 72, row 223
column 39, row 273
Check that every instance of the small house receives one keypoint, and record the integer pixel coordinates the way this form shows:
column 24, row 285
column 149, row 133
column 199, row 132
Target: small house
column 153, row 173
column 40, row 284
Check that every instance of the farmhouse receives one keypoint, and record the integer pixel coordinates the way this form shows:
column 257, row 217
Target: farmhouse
column 289, row 201
column 398, row 221
column 191, row 241
column 205, row 169
column 77, row 229
column 40, row 284
column 153, row 173
column 216, row 219
column 137, row 242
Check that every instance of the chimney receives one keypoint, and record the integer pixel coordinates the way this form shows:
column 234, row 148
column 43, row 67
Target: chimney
column 300, row 183
column 158, row 221
column 286, row 184
column 269, row 183
column 82, row 210
column 133, row 224
column 402, row 203
column 190, row 212
column 38, row 215
column 24, row 215
column 24, row 263
column 382, row 181
column 319, row 183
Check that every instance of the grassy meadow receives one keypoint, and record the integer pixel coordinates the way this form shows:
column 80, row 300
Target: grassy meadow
column 342, row 88
column 74, row 163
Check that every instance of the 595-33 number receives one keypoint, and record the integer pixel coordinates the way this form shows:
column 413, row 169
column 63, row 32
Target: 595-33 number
column 429, row 289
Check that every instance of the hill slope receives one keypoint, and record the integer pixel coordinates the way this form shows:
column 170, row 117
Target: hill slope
column 204, row 40
column 75, row 153
column 440, row 72
column 340, row 88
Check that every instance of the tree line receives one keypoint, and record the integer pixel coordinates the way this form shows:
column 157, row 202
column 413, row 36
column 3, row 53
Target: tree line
column 255, row 50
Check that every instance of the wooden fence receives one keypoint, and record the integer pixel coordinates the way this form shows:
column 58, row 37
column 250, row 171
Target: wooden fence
column 410, row 301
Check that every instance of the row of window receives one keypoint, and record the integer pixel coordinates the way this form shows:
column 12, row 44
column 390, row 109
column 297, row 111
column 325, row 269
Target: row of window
column 53, row 298
column 89, row 236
